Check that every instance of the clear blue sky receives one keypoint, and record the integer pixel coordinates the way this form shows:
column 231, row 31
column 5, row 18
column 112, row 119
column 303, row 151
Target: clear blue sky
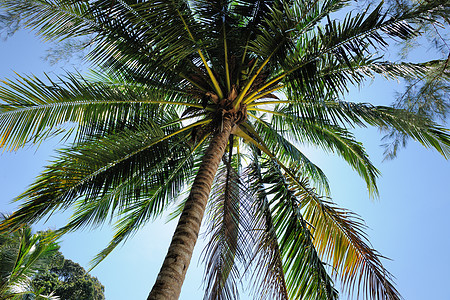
column 409, row 223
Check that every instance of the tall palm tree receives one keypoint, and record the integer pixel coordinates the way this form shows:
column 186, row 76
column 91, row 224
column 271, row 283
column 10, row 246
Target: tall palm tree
column 217, row 95
column 22, row 255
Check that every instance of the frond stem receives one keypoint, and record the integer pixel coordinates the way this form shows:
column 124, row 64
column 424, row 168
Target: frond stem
column 227, row 67
column 273, row 81
column 248, row 100
column 269, row 102
column 241, row 96
column 269, row 111
column 75, row 103
column 199, row 51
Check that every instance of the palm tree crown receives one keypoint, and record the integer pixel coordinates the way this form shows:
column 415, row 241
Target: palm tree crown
column 217, row 95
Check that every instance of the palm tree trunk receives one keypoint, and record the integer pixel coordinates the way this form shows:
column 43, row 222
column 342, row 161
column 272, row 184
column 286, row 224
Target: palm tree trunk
column 171, row 276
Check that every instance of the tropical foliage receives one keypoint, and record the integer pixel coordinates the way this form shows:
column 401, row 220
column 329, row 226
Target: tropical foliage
column 183, row 90
column 22, row 256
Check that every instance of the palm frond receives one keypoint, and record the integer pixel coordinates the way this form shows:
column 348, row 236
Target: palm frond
column 418, row 127
column 269, row 278
column 329, row 75
column 137, row 213
column 54, row 19
column 228, row 232
column 332, row 138
column 340, row 240
column 283, row 23
column 306, row 274
column 139, row 39
column 169, row 39
column 145, row 156
column 32, row 107
column 283, row 149
column 343, row 44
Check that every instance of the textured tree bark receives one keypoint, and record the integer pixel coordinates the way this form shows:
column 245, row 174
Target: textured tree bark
column 173, row 271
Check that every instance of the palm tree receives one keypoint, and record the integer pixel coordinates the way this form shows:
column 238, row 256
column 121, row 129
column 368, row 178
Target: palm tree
column 22, row 255
column 217, row 95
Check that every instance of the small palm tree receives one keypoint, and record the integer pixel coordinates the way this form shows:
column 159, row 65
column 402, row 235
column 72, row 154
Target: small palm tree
column 22, row 255
column 217, row 95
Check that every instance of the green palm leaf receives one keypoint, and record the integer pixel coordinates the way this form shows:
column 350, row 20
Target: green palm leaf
column 306, row 275
column 137, row 213
column 289, row 153
column 333, row 139
column 340, row 239
column 415, row 126
column 228, row 228
column 92, row 170
column 269, row 276
column 32, row 107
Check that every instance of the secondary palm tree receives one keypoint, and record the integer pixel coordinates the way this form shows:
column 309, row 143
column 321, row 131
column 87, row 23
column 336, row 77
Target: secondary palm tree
column 217, row 94
column 22, row 255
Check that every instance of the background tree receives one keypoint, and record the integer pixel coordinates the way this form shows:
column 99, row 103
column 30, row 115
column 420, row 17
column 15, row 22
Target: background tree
column 224, row 61
column 68, row 280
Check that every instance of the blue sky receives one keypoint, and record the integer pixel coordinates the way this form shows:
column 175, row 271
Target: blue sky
column 408, row 223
